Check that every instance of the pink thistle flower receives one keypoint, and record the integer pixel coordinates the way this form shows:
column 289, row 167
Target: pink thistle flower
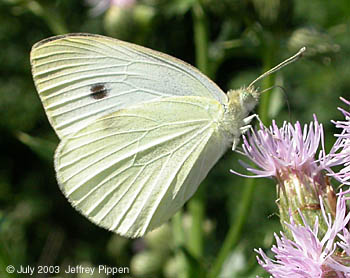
column 340, row 152
column 316, row 239
column 290, row 155
column 280, row 151
column 307, row 256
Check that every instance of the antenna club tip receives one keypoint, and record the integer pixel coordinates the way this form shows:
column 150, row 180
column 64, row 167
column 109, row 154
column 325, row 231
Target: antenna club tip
column 303, row 49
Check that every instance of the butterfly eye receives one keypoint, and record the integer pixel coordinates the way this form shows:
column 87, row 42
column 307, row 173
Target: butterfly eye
column 98, row 91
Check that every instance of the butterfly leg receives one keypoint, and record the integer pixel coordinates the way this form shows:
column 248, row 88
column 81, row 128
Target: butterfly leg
column 248, row 119
column 247, row 126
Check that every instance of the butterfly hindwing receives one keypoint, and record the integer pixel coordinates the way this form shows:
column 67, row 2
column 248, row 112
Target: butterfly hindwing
column 81, row 77
column 131, row 170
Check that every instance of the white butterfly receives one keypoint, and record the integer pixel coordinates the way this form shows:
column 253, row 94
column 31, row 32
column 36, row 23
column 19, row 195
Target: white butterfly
column 139, row 129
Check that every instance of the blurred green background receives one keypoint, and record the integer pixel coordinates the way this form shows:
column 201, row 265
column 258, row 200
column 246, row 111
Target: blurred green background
column 232, row 41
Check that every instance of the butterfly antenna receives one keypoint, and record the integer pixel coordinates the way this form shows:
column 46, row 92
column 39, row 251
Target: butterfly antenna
column 292, row 59
column 287, row 101
column 285, row 98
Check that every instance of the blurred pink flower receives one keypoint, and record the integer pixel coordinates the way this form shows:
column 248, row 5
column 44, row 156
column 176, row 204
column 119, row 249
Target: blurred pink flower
column 99, row 6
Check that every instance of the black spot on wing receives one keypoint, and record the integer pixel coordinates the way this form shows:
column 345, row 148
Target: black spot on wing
column 98, row 91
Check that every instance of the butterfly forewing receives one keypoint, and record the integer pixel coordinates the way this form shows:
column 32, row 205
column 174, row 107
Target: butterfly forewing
column 133, row 169
column 81, row 77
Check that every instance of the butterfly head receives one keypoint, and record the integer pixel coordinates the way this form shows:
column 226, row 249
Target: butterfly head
column 240, row 103
column 249, row 98
column 243, row 100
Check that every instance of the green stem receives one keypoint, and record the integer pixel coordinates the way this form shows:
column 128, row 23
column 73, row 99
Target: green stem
column 179, row 240
column 235, row 231
column 200, row 37
column 178, row 232
column 196, row 205
column 196, row 209
column 53, row 20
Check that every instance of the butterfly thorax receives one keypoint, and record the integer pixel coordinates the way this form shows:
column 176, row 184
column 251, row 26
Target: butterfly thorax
column 240, row 103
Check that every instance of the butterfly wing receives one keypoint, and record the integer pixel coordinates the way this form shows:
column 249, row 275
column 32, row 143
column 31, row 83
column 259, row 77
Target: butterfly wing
column 131, row 170
column 81, row 77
